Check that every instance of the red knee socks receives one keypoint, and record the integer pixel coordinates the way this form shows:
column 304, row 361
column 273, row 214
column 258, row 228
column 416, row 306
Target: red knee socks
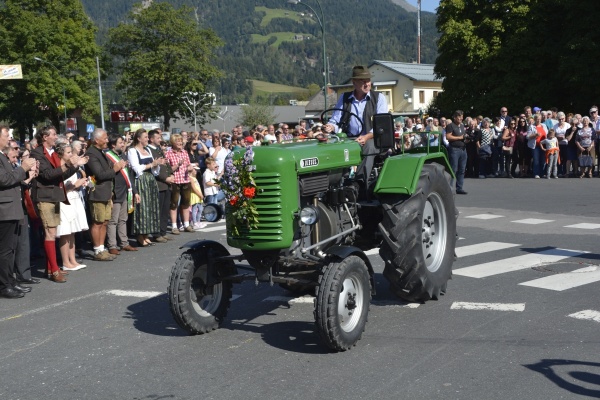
column 50, row 249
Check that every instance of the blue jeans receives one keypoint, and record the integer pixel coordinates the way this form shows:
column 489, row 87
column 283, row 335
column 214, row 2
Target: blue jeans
column 458, row 163
column 196, row 213
column 539, row 159
column 215, row 198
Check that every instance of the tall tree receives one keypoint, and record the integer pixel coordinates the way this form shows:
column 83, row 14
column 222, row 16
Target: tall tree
column 257, row 114
column 515, row 53
column 162, row 53
column 60, row 34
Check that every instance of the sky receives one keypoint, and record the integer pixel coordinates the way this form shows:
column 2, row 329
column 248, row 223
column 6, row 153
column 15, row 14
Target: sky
column 426, row 5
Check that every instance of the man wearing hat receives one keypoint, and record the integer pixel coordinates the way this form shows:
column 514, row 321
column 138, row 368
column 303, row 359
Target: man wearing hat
column 364, row 103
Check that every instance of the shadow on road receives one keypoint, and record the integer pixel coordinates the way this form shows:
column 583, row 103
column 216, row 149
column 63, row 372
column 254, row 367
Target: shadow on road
column 574, row 376
column 153, row 316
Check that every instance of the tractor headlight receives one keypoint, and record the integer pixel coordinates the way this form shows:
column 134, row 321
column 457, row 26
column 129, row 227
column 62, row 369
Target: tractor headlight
column 309, row 215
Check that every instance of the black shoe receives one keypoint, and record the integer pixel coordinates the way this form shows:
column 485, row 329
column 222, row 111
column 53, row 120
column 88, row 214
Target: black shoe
column 32, row 281
column 11, row 293
column 22, row 289
column 460, row 191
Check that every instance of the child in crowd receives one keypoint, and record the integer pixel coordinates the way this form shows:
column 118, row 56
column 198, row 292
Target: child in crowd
column 211, row 188
column 550, row 146
column 196, row 199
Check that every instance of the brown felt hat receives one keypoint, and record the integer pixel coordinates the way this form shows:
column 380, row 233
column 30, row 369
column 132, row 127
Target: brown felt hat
column 361, row 72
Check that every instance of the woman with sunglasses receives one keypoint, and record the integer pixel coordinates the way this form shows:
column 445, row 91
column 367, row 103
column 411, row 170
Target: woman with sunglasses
column 521, row 153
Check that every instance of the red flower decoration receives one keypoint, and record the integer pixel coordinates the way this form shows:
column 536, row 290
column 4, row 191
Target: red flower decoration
column 233, row 200
column 249, row 192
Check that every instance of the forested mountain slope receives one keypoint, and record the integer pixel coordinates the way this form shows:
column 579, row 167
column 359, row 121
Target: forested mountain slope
column 356, row 32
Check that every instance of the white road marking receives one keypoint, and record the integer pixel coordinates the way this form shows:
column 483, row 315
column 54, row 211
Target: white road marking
column 134, row 293
column 569, row 280
column 212, row 229
column 480, row 248
column 388, row 303
column 51, row 306
column 461, row 305
column 590, row 315
column 485, row 216
column 517, row 263
column 372, row 252
column 532, row 221
column 291, row 300
column 584, row 226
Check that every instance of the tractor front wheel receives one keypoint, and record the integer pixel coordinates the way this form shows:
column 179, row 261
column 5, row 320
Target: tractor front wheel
column 342, row 302
column 195, row 305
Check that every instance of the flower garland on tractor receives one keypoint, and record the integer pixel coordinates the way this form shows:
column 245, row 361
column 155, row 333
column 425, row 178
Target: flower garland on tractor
column 239, row 189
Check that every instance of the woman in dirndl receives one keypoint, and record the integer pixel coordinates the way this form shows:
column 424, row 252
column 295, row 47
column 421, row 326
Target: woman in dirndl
column 146, row 213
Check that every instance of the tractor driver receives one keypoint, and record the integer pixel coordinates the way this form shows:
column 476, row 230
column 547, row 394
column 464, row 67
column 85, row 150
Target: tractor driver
column 364, row 103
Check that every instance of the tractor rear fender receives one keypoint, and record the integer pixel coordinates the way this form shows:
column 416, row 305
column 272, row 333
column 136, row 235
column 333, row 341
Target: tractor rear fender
column 347, row 251
column 213, row 250
column 400, row 174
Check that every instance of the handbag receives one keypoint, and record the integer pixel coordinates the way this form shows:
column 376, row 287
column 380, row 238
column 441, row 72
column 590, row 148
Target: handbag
column 485, row 151
column 507, row 149
column 585, row 159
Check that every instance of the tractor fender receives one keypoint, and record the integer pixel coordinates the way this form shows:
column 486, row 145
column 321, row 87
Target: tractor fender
column 400, row 174
column 213, row 250
column 346, row 251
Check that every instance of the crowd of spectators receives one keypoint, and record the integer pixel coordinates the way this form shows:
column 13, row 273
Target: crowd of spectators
column 535, row 143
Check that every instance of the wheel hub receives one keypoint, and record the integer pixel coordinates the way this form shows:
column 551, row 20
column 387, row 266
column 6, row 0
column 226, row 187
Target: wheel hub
column 350, row 304
column 433, row 235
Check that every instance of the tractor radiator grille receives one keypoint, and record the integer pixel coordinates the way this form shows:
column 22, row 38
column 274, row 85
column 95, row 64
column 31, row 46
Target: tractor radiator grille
column 268, row 204
column 313, row 184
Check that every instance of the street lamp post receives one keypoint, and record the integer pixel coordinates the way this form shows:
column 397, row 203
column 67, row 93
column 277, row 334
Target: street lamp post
column 321, row 21
column 63, row 86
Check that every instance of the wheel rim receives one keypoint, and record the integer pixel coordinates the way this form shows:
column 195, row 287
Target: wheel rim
column 205, row 304
column 350, row 303
column 434, row 232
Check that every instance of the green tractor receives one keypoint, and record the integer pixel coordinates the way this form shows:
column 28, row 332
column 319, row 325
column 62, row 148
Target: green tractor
column 301, row 221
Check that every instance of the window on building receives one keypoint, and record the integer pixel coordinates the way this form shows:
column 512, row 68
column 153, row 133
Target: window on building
column 435, row 94
column 421, row 96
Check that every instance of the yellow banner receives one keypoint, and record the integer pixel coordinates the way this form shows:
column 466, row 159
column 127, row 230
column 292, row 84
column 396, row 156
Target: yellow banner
column 11, row 72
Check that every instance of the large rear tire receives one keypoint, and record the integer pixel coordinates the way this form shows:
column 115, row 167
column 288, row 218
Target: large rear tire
column 419, row 234
column 196, row 307
column 342, row 302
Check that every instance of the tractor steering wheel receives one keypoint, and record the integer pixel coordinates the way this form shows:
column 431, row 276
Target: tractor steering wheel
column 362, row 126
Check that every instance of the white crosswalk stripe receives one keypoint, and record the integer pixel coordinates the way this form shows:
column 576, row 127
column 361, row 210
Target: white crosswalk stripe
column 485, row 216
column 591, row 315
column 480, row 248
column 532, row 221
column 517, row 263
column 568, row 280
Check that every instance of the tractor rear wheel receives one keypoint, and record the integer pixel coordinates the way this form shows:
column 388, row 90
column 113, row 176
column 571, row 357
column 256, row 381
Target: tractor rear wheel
column 419, row 236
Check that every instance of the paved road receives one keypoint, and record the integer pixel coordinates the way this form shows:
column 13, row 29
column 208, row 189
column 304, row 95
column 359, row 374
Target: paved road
column 517, row 321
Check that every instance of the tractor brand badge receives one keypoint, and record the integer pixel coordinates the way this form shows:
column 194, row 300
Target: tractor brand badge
column 309, row 162
column 346, row 155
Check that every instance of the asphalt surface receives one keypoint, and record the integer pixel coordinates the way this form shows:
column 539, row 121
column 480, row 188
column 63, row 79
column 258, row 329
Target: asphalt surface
column 107, row 333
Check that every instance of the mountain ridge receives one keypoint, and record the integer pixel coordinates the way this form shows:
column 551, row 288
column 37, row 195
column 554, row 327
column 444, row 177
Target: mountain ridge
column 387, row 31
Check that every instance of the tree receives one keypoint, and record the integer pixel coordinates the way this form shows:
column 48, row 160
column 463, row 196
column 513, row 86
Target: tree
column 161, row 54
column 515, row 53
column 59, row 33
column 257, row 114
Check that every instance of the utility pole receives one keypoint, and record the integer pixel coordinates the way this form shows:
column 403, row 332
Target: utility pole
column 418, row 31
